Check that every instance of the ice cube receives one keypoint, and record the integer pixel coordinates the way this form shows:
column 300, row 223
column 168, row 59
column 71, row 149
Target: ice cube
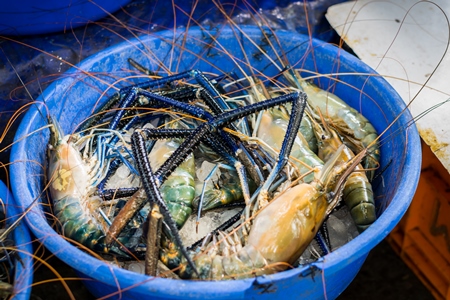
column 136, row 266
column 344, row 215
column 311, row 254
column 207, row 223
column 337, row 232
column 123, row 172
column 205, row 170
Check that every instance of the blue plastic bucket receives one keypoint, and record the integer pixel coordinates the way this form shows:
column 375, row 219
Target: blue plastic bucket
column 25, row 17
column 23, row 269
column 72, row 98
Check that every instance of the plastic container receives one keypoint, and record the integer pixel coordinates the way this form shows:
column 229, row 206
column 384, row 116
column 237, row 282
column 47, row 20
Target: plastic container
column 422, row 239
column 23, row 273
column 26, row 17
column 72, row 98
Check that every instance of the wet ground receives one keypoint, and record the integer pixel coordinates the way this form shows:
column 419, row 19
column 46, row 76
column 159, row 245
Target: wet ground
column 383, row 276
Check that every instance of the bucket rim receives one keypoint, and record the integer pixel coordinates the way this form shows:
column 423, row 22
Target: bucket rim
column 100, row 270
column 30, row 17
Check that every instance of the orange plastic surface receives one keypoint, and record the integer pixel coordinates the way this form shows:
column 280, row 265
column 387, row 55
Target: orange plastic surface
column 422, row 238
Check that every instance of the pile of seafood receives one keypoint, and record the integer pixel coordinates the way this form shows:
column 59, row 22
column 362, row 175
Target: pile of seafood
column 277, row 157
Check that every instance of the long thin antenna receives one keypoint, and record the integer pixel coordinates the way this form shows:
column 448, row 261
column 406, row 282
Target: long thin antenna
column 23, row 83
column 30, row 206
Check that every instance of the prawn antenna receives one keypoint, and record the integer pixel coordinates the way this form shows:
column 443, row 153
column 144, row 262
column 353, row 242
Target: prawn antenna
column 24, row 85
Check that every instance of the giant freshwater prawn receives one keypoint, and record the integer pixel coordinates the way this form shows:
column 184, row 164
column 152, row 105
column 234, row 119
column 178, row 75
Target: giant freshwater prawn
column 246, row 85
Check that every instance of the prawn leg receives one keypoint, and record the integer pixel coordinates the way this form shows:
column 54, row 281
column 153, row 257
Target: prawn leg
column 152, row 181
column 291, row 133
column 151, row 188
column 357, row 193
column 174, row 193
column 357, row 131
column 153, row 240
column 281, row 231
